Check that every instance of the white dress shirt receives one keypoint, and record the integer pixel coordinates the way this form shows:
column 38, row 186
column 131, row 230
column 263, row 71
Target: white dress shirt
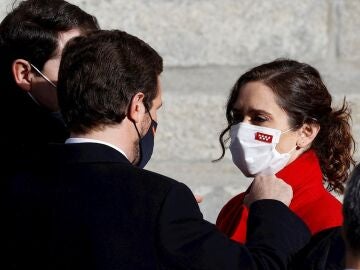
column 86, row 140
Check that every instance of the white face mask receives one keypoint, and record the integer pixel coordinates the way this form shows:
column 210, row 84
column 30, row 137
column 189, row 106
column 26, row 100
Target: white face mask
column 253, row 149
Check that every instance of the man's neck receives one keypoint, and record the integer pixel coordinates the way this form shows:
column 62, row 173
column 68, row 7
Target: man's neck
column 115, row 135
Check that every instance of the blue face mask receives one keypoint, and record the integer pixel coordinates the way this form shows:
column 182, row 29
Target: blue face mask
column 146, row 143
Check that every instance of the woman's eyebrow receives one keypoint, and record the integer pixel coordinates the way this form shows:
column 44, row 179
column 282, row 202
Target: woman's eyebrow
column 258, row 111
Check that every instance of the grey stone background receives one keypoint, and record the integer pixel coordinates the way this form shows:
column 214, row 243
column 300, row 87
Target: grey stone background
column 206, row 46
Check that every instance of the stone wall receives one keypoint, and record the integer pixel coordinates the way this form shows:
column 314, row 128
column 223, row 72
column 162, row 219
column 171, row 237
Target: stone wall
column 234, row 32
column 206, row 45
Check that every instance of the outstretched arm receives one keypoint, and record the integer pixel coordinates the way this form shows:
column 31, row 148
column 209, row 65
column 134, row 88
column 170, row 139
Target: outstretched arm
column 187, row 241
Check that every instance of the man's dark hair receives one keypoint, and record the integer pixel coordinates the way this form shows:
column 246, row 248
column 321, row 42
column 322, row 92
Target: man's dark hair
column 351, row 211
column 100, row 74
column 31, row 30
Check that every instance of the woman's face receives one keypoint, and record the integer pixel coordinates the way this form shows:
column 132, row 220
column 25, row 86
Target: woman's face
column 256, row 105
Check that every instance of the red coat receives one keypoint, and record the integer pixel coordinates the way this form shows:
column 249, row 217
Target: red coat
column 311, row 202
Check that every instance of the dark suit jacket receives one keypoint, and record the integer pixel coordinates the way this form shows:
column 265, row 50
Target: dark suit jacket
column 325, row 251
column 84, row 206
column 26, row 125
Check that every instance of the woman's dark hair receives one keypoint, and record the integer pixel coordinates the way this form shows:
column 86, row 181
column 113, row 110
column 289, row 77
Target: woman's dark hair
column 99, row 75
column 31, row 31
column 300, row 91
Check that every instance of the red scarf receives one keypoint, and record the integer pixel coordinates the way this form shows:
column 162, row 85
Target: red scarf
column 311, row 201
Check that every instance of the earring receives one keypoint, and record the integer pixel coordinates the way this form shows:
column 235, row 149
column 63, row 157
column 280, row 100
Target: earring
column 298, row 145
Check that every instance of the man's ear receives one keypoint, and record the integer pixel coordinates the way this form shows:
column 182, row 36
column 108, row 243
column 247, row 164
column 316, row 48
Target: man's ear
column 21, row 71
column 308, row 133
column 137, row 109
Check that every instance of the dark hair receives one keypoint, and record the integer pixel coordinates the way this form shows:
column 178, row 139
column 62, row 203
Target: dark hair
column 100, row 73
column 31, row 30
column 351, row 211
column 299, row 90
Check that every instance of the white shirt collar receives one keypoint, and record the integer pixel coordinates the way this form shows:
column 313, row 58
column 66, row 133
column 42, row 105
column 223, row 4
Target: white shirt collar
column 86, row 140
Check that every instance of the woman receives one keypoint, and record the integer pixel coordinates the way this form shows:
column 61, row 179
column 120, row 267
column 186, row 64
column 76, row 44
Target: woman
column 280, row 121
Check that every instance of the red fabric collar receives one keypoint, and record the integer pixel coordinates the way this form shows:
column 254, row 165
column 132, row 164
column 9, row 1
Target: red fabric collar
column 311, row 201
column 303, row 173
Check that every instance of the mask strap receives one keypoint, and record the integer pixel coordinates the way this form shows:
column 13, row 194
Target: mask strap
column 283, row 132
column 137, row 130
column 292, row 150
column 140, row 145
column 42, row 75
column 153, row 124
column 148, row 111
column 32, row 97
column 139, row 142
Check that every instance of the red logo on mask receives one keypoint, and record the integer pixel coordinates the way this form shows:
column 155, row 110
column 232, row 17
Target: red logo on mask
column 263, row 137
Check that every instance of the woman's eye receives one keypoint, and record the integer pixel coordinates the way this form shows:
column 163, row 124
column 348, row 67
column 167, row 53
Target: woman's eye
column 259, row 119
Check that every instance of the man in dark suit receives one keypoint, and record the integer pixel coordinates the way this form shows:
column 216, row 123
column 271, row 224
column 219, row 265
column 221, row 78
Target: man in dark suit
column 88, row 204
column 32, row 37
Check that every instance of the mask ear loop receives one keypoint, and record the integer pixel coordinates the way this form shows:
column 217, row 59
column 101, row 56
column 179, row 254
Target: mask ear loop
column 294, row 148
column 137, row 130
column 32, row 97
column 152, row 125
column 148, row 111
column 140, row 138
column 139, row 135
column 42, row 75
column 283, row 132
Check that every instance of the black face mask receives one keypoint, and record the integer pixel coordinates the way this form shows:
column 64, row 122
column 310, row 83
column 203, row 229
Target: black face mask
column 146, row 144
